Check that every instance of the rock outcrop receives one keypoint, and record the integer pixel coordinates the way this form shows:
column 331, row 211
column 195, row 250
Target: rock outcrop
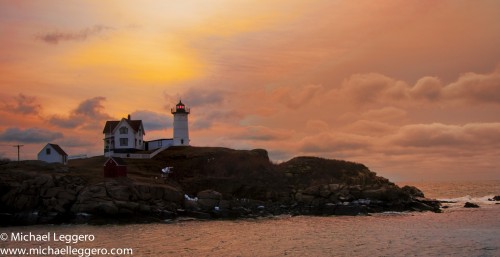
column 470, row 205
column 222, row 183
column 495, row 198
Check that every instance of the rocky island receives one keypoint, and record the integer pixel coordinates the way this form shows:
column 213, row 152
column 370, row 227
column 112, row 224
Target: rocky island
column 206, row 183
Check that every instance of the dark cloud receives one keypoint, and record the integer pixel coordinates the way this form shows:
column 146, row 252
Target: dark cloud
column 88, row 112
column 24, row 104
column 201, row 97
column 56, row 37
column 208, row 117
column 91, row 108
column 30, row 135
column 198, row 97
column 152, row 120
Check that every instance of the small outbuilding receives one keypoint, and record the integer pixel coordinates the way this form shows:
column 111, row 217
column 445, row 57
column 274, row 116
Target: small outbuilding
column 53, row 153
column 115, row 167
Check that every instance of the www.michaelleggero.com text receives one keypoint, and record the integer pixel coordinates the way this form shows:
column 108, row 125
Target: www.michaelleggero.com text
column 64, row 250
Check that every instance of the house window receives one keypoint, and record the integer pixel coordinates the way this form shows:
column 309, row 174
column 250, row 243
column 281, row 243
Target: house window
column 47, row 151
column 182, row 141
column 123, row 130
column 123, row 141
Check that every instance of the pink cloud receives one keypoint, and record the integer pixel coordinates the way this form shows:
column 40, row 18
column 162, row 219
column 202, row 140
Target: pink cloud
column 472, row 136
column 475, row 88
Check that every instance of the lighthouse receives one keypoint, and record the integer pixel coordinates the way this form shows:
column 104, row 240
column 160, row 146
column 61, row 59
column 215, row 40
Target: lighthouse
column 181, row 132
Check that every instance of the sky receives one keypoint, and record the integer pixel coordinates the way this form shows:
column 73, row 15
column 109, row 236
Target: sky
column 409, row 88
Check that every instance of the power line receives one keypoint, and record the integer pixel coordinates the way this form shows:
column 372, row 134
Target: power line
column 18, row 150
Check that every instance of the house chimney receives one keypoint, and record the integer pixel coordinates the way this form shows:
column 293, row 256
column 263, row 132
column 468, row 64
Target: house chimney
column 128, row 118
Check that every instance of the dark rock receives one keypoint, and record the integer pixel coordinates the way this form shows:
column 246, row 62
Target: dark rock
column 228, row 184
column 495, row 198
column 209, row 199
column 413, row 191
column 350, row 210
column 470, row 205
column 199, row 215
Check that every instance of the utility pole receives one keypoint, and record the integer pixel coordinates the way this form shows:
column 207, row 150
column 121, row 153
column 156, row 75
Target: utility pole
column 18, row 148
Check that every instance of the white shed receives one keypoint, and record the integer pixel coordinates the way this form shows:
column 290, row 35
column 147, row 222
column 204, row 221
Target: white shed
column 53, row 153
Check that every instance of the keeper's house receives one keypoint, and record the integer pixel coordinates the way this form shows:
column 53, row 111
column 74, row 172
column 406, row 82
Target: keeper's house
column 123, row 136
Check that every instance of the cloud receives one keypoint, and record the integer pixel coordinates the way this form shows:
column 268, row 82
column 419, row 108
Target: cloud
column 30, row 135
column 152, row 120
column 333, row 143
column 385, row 114
column 202, row 97
column 75, row 142
column 87, row 112
column 370, row 128
column 261, row 133
column 296, row 97
column 317, row 125
column 56, row 37
column 92, row 108
column 66, row 122
column 475, row 88
column 26, row 105
column 372, row 88
column 427, row 88
column 208, row 117
column 469, row 136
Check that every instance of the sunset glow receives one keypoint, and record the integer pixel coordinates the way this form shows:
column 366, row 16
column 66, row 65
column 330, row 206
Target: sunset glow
column 409, row 88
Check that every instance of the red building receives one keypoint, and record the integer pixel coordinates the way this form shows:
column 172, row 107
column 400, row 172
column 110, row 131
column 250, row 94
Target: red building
column 115, row 167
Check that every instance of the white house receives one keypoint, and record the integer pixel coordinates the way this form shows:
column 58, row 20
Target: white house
column 53, row 153
column 123, row 136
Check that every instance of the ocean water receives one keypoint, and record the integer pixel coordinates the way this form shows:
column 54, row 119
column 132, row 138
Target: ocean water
column 455, row 232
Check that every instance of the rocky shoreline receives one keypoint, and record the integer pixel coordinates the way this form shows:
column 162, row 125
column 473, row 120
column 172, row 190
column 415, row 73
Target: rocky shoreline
column 236, row 184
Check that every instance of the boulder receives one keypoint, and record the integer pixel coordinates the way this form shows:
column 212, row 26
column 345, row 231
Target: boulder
column 413, row 191
column 495, row 198
column 208, row 199
column 470, row 205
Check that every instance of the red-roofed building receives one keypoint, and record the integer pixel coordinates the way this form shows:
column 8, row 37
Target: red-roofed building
column 115, row 167
column 123, row 136
column 53, row 153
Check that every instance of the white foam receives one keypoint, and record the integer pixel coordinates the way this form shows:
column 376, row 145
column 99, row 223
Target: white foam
column 484, row 200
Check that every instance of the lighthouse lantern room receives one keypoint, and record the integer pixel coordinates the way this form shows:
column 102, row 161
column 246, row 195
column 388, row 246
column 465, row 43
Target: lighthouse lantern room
column 181, row 132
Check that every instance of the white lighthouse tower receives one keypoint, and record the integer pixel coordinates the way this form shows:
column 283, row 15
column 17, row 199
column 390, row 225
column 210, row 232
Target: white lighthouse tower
column 181, row 132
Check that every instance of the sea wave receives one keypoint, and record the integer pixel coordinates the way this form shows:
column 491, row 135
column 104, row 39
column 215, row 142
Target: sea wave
column 481, row 201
